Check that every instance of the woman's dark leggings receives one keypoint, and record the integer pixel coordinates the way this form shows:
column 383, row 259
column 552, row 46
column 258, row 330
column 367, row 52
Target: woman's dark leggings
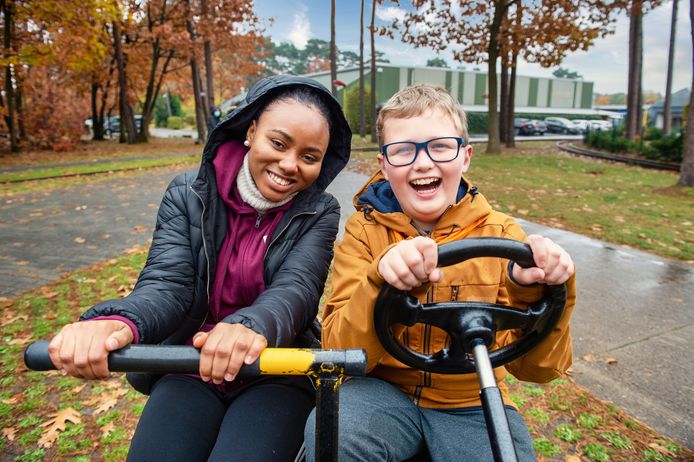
column 185, row 419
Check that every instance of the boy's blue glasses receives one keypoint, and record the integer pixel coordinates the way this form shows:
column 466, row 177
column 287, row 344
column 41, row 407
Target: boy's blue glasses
column 402, row 153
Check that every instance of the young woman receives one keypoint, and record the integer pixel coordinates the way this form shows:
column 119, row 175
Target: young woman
column 238, row 261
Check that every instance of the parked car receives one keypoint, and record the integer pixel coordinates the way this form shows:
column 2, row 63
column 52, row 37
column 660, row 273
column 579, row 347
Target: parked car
column 582, row 125
column 600, row 125
column 112, row 124
column 560, row 125
column 529, row 126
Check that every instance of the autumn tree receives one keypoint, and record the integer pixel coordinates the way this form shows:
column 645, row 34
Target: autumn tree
column 687, row 166
column 49, row 62
column 362, row 106
column 372, row 96
column 634, row 119
column 333, row 50
column 472, row 29
column 667, row 107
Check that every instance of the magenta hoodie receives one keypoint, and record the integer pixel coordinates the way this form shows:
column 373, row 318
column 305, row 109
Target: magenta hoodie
column 240, row 266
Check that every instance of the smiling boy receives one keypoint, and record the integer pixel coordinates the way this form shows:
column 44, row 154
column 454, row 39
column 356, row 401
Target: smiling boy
column 418, row 199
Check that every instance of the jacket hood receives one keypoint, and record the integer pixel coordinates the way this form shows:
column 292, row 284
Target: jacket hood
column 236, row 123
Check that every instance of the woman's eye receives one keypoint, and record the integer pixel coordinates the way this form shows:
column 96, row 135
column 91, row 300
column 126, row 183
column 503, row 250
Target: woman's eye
column 310, row 158
column 277, row 144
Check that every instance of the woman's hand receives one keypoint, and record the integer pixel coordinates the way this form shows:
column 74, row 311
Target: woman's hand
column 225, row 348
column 554, row 264
column 411, row 263
column 81, row 349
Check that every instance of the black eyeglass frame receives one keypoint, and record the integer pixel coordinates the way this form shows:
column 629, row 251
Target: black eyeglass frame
column 424, row 146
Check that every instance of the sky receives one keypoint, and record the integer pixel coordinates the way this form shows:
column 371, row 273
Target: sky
column 605, row 64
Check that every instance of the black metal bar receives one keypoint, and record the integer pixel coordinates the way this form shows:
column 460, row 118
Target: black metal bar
column 327, row 414
column 493, row 406
column 185, row 359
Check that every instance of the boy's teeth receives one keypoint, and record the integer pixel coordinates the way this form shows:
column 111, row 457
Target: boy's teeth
column 279, row 180
column 424, row 181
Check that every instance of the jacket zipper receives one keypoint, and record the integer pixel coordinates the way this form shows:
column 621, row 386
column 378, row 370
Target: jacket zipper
column 204, row 246
column 427, row 337
column 274, row 239
column 257, row 221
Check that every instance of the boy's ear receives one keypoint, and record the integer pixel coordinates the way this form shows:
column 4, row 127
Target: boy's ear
column 382, row 165
column 467, row 156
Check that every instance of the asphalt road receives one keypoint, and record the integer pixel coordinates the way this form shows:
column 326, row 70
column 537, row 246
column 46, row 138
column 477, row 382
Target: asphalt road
column 632, row 326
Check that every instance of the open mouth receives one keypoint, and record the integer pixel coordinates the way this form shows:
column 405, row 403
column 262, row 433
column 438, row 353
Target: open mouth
column 281, row 181
column 425, row 185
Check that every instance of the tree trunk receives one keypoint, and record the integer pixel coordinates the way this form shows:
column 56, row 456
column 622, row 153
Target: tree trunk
column 9, row 87
column 209, row 68
column 494, row 143
column 333, row 50
column 667, row 109
column 372, row 29
column 19, row 93
column 127, row 121
column 503, row 102
column 195, row 77
column 687, row 167
column 97, row 122
column 362, row 106
column 510, row 126
column 634, row 115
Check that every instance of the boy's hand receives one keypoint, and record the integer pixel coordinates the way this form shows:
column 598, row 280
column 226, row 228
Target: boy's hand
column 81, row 349
column 411, row 263
column 225, row 348
column 554, row 265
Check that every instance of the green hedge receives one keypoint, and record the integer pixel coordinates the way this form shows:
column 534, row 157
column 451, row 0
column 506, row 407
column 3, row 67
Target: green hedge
column 653, row 146
column 352, row 108
column 174, row 122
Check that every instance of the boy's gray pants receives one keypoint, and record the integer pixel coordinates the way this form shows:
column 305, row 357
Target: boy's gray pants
column 378, row 422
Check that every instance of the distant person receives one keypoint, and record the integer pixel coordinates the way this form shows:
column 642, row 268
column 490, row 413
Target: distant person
column 213, row 119
column 238, row 262
column 418, row 198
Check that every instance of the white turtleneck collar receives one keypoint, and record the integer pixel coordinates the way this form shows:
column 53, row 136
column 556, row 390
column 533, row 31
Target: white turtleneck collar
column 250, row 193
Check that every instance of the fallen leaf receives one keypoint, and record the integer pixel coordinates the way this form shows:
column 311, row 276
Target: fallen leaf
column 20, row 340
column 106, row 429
column 21, row 263
column 5, row 302
column 78, row 388
column 21, row 317
column 9, row 433
column 50, row 316
column 140, row 228
column 611, row 361
column 57, row 424
column 106, row 404
column 80, row 240
column 48, row 293
column 589, row 358
column 572, row 458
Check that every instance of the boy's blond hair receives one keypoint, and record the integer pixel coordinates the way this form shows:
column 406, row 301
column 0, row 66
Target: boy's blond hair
column 415, row 100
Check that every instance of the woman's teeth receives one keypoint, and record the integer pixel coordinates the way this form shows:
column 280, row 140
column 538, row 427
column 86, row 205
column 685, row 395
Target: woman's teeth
column 279, row 180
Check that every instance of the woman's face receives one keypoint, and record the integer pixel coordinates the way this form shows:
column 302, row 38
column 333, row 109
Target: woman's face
column 287, row 146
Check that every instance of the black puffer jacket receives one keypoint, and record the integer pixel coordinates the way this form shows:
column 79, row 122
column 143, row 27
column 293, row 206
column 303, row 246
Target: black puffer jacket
column 171, row 298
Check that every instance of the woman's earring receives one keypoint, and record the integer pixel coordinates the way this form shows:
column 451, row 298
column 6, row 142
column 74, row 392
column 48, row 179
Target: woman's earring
column 247, row 143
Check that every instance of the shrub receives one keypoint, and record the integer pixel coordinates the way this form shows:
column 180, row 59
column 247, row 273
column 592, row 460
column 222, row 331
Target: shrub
column 669, row 147
column 190, row 120
column 174, row 122
column 352, row 108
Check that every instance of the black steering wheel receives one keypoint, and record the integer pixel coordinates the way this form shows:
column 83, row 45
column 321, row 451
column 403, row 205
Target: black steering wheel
column 468, row 323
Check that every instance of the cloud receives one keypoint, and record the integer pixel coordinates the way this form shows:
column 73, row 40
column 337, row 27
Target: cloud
column 389, row 13
column 301, row 28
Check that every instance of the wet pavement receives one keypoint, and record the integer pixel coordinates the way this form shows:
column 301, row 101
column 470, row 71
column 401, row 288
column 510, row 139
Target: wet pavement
column 632, row 327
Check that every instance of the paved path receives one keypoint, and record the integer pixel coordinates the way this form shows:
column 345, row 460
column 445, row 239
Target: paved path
column 633, row 307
